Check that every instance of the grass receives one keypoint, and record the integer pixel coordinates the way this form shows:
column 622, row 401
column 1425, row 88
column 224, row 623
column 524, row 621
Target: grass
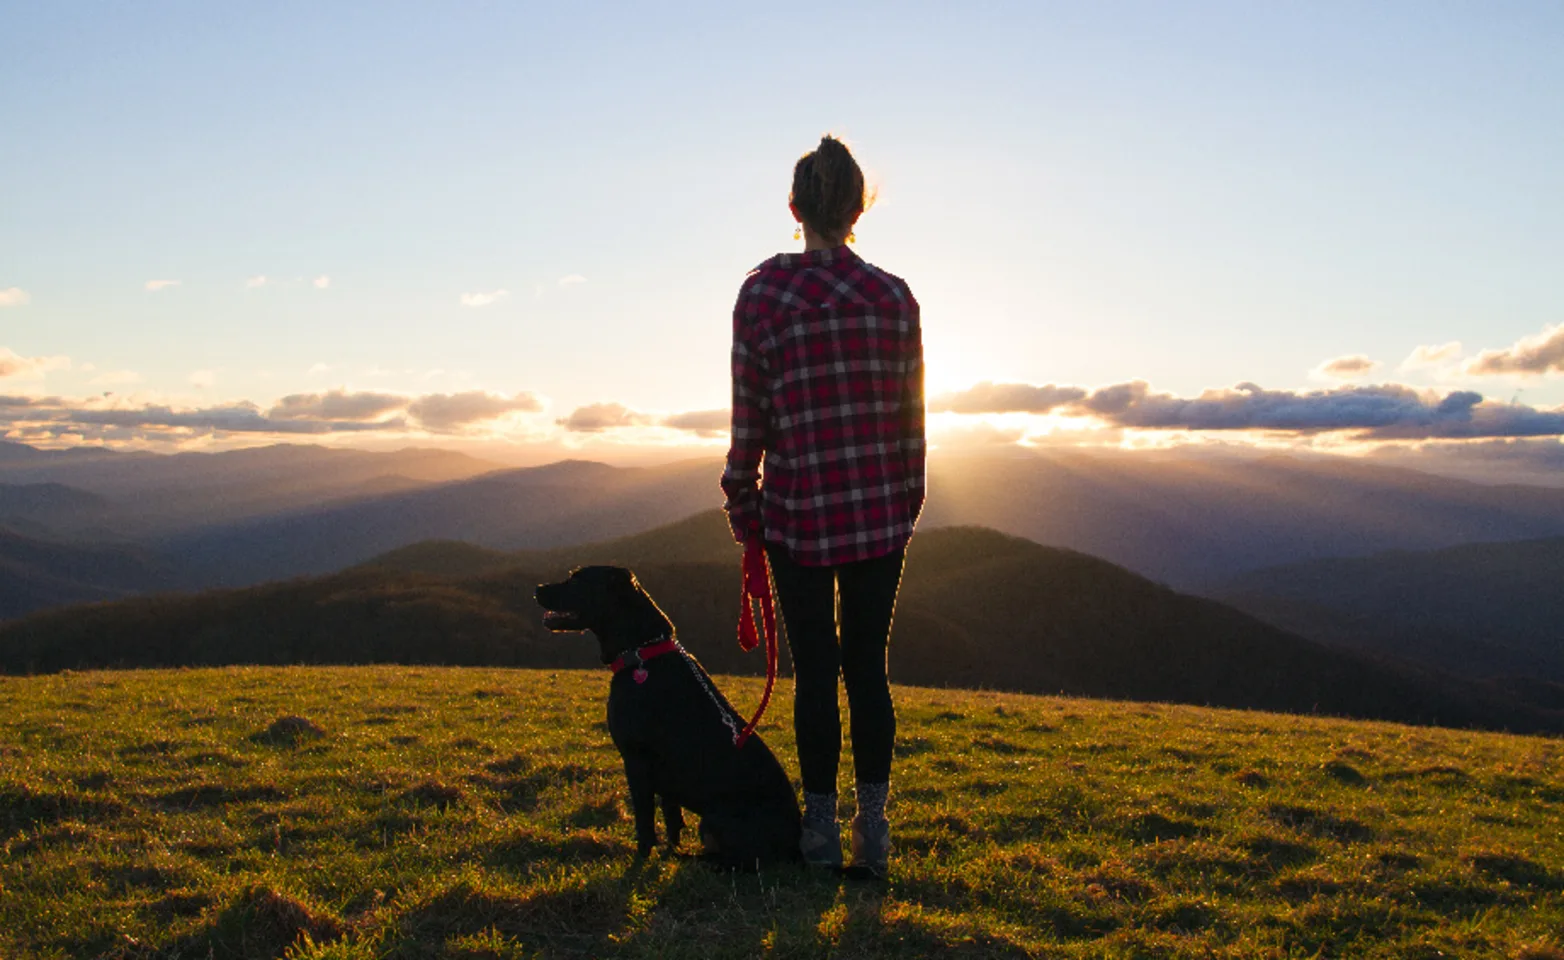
column 480, row 813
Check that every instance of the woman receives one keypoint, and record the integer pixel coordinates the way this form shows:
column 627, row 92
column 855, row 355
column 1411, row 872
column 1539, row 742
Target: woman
column 828, row 388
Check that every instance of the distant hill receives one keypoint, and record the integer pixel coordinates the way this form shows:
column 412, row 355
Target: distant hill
column 36, row 574
column 539, row 507
column 1196, row 521
column 155, row 495
column 13, row 453
column 43, row 508
column 701, row 538
column 21, row 499
column 978, row 609
column 1478, row 610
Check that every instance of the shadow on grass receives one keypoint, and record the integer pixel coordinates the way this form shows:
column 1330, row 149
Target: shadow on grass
column 569, row 914
column 864, row 922
column 1516, row 869
column 261, row 921
column 525, row 849
column 1320, row 823
column 23, row 808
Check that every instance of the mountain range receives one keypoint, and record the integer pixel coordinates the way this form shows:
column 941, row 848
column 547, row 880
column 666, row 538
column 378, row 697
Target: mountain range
column 1383, row 561
column 1191, row 521
column 978, row 609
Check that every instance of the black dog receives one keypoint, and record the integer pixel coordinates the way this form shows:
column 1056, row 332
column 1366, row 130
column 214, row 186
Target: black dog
column 675, row 732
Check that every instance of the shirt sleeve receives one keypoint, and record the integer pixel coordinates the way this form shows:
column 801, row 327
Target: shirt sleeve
column 914, row 443
column 751, row 412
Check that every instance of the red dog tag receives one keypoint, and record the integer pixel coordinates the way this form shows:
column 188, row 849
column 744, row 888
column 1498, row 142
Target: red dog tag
column 640, row 675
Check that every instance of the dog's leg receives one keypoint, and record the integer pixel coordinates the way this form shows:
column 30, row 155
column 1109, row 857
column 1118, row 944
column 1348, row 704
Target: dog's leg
column 673, row 822
column 643, row 800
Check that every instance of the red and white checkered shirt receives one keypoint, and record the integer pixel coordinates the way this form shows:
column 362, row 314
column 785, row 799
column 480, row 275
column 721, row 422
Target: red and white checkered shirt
column 828, row 387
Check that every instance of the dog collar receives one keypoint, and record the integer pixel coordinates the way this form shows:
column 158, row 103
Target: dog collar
column 637, row 658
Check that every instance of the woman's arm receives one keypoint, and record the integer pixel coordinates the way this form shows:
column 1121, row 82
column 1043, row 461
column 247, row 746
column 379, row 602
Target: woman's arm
column 751, row 410
column 914, row 444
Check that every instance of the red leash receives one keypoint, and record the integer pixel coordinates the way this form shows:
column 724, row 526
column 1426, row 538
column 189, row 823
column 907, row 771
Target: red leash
column 757, row 586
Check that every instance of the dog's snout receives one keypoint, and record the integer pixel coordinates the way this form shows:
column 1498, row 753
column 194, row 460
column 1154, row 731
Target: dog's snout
column 546, row 594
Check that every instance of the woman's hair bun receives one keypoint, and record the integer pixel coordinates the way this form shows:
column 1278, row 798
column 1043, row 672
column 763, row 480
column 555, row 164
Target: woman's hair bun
column 828, row 189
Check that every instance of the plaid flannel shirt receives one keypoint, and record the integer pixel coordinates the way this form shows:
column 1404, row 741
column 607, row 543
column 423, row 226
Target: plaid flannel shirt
column 828, row 389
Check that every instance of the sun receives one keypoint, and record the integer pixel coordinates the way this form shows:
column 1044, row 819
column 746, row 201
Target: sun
column 954, row 362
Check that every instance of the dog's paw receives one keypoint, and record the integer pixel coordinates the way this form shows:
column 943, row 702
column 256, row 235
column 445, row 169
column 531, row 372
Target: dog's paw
column 644, row 846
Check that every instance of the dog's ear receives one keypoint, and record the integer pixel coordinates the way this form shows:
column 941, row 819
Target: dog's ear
column 625, row 580
column 618, row 591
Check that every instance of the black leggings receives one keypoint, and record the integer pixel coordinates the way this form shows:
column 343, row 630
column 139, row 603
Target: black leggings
column 861, row 597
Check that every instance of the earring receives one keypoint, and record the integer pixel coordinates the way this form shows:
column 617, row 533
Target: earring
column 796, row 229
column 852, row 237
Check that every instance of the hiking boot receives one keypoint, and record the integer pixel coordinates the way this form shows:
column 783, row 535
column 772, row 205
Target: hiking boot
column 871, row 850
column 821, row 843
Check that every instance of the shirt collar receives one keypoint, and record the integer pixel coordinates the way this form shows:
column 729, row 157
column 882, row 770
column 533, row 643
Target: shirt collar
column 817, row 258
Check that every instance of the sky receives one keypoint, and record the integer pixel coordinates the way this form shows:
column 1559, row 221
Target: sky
column 1334, row 225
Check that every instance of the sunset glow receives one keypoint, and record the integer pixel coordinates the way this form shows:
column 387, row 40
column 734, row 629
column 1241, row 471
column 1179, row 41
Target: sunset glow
column 565, row 215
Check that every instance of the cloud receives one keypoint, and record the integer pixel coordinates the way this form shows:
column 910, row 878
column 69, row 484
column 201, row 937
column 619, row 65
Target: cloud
column 322, row 282
column 600, row 417
column 1479, row 420
column 1387, row 411
column 483, row 299
column 202, row 379
column 1251, row 407
column 597, row 417
column 13, row 297
column 706, row 423
column 1112, row 401
column 337, row 405
column 242, row 417
column 571, row 279
column 153, row 286
column 9, row 402
column 253, row 282
column 1429, row 355
column 447, row 412
column 15, row 365
column 1542, row 353
column 318, row 368
column 1347, row 368
column 987, row 397
column 331, row 412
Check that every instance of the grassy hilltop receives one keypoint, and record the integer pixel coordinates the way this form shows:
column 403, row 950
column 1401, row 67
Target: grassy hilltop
column 439, row 812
